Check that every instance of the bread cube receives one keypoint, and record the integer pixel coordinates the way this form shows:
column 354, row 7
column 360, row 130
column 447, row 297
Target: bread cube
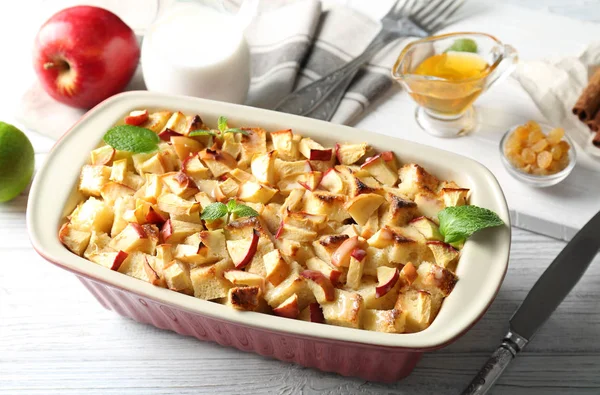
column 208, row 283
column 387, row 321
column 75, row 240
column 93, row 178
column 92, row 215
column 346, row 310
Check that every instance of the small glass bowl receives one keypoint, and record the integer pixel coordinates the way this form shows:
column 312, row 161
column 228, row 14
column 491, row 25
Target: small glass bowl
column 539, row 181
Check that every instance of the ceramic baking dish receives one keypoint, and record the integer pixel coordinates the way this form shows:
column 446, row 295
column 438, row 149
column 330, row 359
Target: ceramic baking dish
column 351, row 352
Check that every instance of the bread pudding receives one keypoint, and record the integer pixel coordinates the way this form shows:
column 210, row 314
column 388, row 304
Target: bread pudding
column 270, row 222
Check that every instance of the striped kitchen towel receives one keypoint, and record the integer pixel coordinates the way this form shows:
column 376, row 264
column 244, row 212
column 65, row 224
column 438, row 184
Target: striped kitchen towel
column 294, row 43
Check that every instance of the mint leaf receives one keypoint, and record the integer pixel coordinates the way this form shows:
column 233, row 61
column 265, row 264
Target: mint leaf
column 458, row 223
column 242, row 210
column 222, row 123
column 463, row 45
column 214, row 211
column 132, row 139
column 236, row 130
column 200, row 132
column 231, row 205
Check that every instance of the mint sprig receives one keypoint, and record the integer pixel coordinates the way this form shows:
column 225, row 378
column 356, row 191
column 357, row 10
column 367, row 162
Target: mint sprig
column 223, row 128
column 214, row 211
column 132, row 139
column 459, row 223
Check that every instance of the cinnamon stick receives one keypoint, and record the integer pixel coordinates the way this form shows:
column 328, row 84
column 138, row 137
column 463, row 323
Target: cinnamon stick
column 588, row 103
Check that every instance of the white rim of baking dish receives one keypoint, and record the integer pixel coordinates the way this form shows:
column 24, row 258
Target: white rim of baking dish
column 481, row 270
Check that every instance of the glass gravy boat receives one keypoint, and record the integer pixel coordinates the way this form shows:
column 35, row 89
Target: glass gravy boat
column 444, row 103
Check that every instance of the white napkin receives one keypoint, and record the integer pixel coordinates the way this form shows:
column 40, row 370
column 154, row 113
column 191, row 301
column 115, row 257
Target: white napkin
column 292, row 43
column 555, row 85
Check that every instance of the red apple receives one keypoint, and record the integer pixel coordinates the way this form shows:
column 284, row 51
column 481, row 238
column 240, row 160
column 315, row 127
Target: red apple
column 279, row 230
column 307, row 167
column 359, row 254
column 324, row 290
column 337, row 152
column 154, row 217
column 320, row 154
column 387, row 156
column 139, row 230
column 85, row 54
column 153, row 277
column 409, row 273
column 386, row 279
column 166, row 134
column 166, row 231
column 341, row 256
column 316, row 313
column 288, row 308
column 119, row 258
column 241, row 251
column 136, row 118
column 370, row 159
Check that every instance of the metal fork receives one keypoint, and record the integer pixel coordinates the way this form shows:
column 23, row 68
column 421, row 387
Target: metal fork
column 321, row 98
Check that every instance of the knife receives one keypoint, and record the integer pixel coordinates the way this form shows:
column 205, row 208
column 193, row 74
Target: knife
column 545, row 296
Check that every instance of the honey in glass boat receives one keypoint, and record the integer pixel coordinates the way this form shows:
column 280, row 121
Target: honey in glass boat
column 445, row 82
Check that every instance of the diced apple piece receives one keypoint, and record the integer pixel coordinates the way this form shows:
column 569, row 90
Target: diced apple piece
column 157, row 121
column 285, row 144
column 320, row 285
column 295, row 233
column 93, row 178
column 240, row 277
column 287, row 169
column 180, row 184
column 110, row 259
column 408, row 274
column 454, row 196
column 276, row 267
column 173, row 204
column 387, row 278
column 332, row 205
column 368, row 290
column 390, row 160
column 362, row 206
column 355, row 272
column 93, row 215
column 316, row 264
column 231, row 145
column 98, row 243
column 341, row 256
column 208, row 283
column 111, row 191
column 185, row 146
column 178, row 278
column 348, row 154
column 217, row 161
column 152, row 274
column 387, row 321
column 305, row 220
column 136, row 117
column 378, row 168
column 241, row 176
column 75, row 240
column 256, row 193
column 313, row 150
column 119, row 171
column 332, row 182
column 445, row 255
column 102, row 156
column 326, row 246
column 427, row 228
column 133, row 238
column 242, row 251
column 166, row 135
column 177, row 122
column 175, row 232
column 415, row 179
column 346, row 309
column 243, row 298
column 289, row 308
column 195, row 169
column 381, row 239
column 139, row 159
column 263, row 168
column 293, row 284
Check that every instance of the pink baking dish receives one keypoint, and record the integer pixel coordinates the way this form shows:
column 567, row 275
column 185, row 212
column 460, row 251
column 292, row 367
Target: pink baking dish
column 350, row 352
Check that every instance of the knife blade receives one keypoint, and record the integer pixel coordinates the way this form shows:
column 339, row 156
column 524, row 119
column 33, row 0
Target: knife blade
column 544, row 297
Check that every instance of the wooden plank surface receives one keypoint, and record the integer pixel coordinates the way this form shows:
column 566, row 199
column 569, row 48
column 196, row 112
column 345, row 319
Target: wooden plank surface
column 56, row 339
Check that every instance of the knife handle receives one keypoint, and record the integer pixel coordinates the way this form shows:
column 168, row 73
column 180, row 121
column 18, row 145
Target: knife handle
column 496, row 364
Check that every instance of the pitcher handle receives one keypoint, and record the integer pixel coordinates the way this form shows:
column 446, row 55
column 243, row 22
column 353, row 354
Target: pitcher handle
column 510, row 58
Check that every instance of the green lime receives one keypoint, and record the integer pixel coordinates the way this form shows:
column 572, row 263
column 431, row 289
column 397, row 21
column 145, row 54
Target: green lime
column 17, row 161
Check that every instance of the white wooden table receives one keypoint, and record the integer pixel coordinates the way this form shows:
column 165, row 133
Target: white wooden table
column 55, row 339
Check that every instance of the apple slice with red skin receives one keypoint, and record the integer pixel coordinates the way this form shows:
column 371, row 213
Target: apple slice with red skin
column 153, row 277
column 154, row 217
column 166, row 135
column 387, row 156
column 103, row 155
column 288, row 308
column 247, row 257
column 279, row 230
column 320, row 154
column 119, row 259
column 387, row 277
column 359, row 254
column 316, row 313
column 139, row 229
column 341, row 256
column 327, row 289
column 166, row 230
column 136, row 118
